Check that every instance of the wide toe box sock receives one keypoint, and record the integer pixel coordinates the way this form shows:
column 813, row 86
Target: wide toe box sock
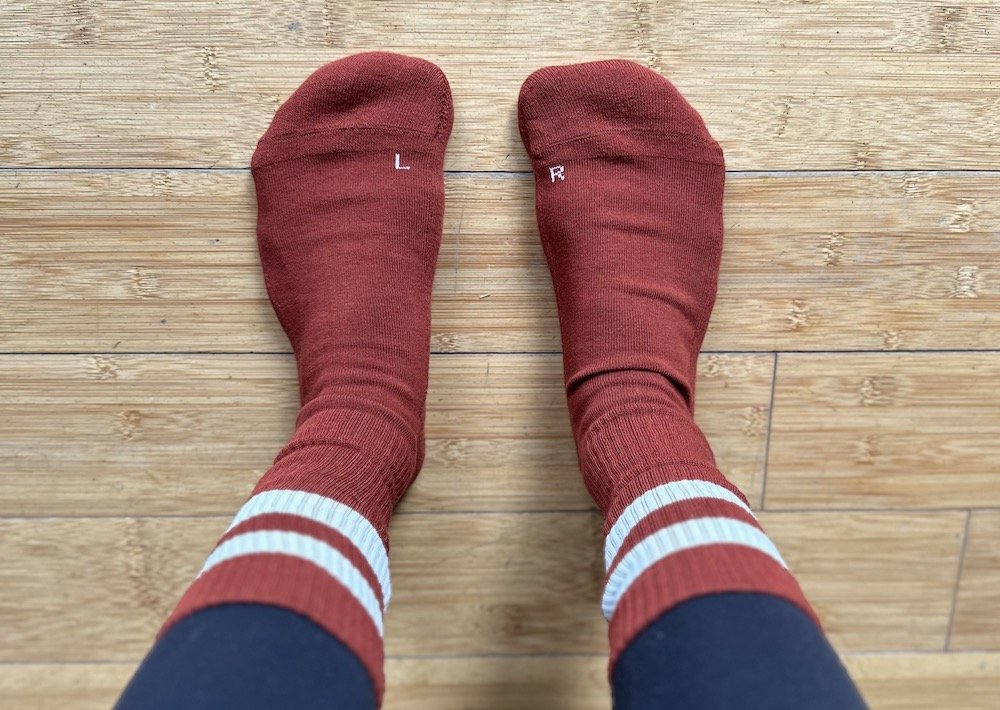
column 613, row 108
column 350, row 196
column 629, row 189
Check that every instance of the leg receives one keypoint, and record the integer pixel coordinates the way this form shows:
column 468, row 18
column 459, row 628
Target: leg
column 249, row 656
column 350, row 195
column 732, row 650
column 629, row 188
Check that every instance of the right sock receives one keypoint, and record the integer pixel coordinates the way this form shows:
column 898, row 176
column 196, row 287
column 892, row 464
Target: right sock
column 350, row 197
column 629, row 187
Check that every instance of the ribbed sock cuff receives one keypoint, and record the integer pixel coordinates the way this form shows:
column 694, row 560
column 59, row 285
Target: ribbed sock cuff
column 684, row 531
column 291, row 583
column 304, row 551
column 622, row 451
column 692, row 573
column 379, row 451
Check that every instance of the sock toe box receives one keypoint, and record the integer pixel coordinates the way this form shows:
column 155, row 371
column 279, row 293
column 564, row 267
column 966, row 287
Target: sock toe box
column 562, row 104
column 374, row 99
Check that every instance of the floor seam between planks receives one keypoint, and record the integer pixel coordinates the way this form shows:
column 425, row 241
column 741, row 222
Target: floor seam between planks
column 958, row 581
column 770, row 422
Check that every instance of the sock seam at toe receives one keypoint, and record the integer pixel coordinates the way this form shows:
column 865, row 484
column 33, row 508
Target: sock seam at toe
column 336, row 151
column 444, row 103
column 443, row 92
column 696, row 140
column 327, row 129
column 432, row 138
column 664, row 156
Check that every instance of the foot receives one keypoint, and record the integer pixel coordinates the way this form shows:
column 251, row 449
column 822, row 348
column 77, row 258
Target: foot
column 350, row 196
column 629, row 187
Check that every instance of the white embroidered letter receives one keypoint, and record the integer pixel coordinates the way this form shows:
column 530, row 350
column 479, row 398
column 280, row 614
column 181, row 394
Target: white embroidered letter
column 400, row 167
column 557, row 171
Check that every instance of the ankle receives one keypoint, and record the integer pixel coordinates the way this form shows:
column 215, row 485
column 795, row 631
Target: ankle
column 597, row 399
column 379, row 446
column 628, row 433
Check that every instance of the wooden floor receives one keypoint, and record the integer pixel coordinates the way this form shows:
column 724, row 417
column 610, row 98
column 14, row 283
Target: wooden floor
column 850, row 384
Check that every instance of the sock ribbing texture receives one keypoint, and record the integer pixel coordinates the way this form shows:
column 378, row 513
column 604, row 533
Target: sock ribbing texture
column 350, row 194
column 629, row 187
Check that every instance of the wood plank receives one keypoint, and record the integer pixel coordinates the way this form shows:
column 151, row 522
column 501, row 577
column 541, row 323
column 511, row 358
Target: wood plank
column 166, row 260
column 766, row 110
column 964, row 27
column 885, row 431
column 317, row 24
column 976, row 625
column 61, row 686
column 928, row 680
column 161, row 434
column 855, row 566
column 96, row 589
column 532, row 683
column 889, row 681
column 839, row 86
column 100, row 262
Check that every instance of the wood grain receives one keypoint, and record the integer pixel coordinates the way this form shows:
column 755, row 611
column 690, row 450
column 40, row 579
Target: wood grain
column 908, row 561
column 62, row 686
column 895, row 681
column 964, row 27
column 925, row 681
column 166, row 260
column 96, row 589
column 976, row 625
column 889, row 430
column 169, row 434
column 839, row 87
column 144, row 380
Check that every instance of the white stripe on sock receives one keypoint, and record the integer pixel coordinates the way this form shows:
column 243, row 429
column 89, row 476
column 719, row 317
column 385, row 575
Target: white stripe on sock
column 678, row 537
column 331, row 513
column 307, row 548
column 660, row 497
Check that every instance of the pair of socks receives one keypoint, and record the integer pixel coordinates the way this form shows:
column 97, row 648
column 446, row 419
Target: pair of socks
column 350, row 191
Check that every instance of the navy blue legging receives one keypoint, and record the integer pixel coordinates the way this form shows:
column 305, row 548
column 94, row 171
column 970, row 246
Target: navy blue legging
column 734, row 650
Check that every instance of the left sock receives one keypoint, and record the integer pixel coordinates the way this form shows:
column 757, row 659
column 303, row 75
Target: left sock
column 350, row 199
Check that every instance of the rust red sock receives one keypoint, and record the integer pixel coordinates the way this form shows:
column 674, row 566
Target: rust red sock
column 350, row 195
column 629, row 187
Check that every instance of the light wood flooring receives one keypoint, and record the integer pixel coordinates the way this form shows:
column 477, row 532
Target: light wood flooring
column 850, row 381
